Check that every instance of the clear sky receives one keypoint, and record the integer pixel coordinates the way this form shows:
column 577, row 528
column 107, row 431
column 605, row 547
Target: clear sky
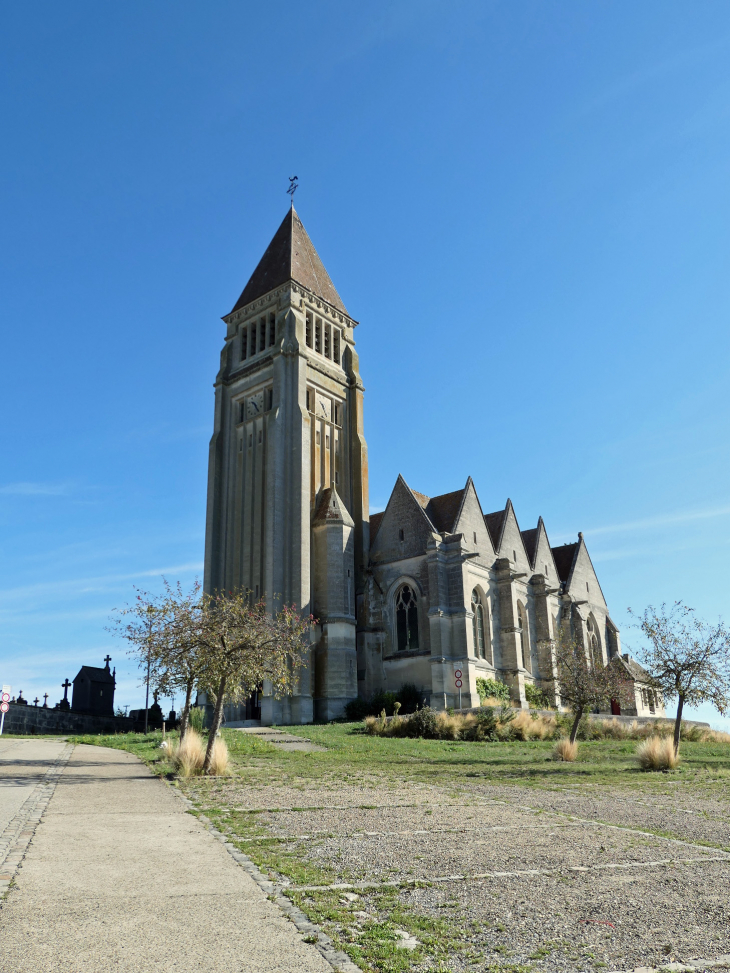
column 526, row 205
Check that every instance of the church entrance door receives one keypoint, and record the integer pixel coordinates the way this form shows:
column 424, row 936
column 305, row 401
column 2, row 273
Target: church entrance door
column 253, row 705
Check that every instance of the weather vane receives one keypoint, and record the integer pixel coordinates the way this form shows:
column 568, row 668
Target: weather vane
column 293, row 186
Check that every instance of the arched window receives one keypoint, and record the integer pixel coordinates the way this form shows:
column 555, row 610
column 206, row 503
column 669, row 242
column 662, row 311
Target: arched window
column 478, row 625
column 406, row 617
column 524, row 636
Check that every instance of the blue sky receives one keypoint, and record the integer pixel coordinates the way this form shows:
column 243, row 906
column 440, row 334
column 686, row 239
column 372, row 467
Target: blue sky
column 526, row 205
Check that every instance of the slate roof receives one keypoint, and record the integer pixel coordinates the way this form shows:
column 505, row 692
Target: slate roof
column 95, row 674
column 494, row 524
column 444, row 510
column 529, row 539
column 290, row 256
column 375, row 521
column 632, row 667
column 564, row 557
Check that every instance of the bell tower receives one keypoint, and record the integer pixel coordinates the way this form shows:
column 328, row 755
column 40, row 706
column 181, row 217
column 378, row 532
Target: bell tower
column 287, row 513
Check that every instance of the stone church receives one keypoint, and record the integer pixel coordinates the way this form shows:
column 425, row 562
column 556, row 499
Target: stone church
column 429, row 586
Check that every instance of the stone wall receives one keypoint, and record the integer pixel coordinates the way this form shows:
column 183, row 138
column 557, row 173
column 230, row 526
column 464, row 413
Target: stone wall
column 38, row 720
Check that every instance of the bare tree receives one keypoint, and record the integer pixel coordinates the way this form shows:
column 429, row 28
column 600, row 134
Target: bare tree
column 242, row 644
column 687, row 658
column 583, row 684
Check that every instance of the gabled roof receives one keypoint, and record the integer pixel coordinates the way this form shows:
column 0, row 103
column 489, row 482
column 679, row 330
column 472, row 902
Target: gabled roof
column 444, row 510
column 495, row 523
column 95, row 674
column 564, row 557
column 632, row 668
column 375, row 520
column 290, row 256
column 529, row 539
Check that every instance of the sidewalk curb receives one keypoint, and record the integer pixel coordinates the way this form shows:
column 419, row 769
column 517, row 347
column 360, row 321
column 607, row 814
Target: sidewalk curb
column 338, row 960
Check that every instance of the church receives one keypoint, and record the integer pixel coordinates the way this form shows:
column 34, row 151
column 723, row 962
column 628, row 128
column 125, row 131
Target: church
column 430, row 587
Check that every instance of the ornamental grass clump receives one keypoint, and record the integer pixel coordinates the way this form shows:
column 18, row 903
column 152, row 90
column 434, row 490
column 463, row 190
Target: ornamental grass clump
column 219, row 758
column 189, row 755
column 657, row 753
column 565, row 749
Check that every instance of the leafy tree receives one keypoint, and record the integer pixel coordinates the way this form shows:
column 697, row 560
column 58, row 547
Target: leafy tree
column 165, row 633
column 582, row 685
column 242, row 644
column 687, row 658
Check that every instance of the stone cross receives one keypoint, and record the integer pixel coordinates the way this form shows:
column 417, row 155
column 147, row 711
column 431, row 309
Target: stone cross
column 36, row 701
column 65, row 687
column 107, row 659
column 45, row 700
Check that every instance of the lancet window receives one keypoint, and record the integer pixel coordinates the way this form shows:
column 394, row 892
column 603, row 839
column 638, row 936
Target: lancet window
column 406, row 616
column 478, row 625
column 524, row 635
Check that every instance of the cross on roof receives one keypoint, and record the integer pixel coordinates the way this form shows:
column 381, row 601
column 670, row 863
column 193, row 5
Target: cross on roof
column 107, row 659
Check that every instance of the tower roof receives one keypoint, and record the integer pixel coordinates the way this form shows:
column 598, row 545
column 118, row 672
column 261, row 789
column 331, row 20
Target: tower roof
column 290, row 256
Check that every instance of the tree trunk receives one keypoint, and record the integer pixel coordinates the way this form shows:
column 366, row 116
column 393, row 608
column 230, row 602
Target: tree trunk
column 574, row 728
column 185, row 717
column 217, row 716
column 678, row 724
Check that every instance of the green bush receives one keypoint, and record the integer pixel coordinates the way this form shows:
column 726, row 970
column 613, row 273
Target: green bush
column 357, row 709
column 422, row 723
column 410, row 697
column 197, row 719
column 383, row 700
column 536, row 697
column 492, row 689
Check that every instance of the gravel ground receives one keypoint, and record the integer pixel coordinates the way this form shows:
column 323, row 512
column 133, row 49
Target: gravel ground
column 605, row 918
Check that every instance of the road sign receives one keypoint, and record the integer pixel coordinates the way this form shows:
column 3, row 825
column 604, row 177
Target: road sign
column 459, row 684
column 457, row 673
column 4, row 707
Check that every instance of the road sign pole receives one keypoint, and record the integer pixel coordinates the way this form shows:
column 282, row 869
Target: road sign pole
column 4, row 706
column 2, row 723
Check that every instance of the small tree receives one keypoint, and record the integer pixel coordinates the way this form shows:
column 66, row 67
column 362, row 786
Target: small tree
column 141, row 624
column 179, row 660
column 242, row 644
column 687, row 658
column 582, row 685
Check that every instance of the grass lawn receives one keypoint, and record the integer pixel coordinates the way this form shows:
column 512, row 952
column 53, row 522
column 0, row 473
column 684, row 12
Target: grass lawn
column 256, row 804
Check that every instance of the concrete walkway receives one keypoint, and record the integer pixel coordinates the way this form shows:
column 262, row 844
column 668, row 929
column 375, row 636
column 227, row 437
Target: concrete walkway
column 281, row 739
column 119, row 877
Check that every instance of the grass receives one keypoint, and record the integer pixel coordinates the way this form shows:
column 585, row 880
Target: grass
column 352, row 758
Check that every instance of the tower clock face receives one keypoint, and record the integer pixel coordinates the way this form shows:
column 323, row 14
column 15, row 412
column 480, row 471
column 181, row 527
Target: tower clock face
column 324, row 408
column 255, row 405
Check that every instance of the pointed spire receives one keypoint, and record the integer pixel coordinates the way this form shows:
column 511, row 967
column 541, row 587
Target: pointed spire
column 331, row 509
column 291, row 256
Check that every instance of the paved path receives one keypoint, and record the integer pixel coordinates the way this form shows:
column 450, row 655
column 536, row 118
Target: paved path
column 118, row 877
column 281, row 739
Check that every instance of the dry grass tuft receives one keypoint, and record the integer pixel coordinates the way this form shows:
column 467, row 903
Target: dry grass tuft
column 219, row 758
column 657, row 753
column 188, row 756
column 565, row 750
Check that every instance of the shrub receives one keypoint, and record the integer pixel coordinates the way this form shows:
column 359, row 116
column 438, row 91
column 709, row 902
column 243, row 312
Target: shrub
column 422, row 723
column 196, row 720
column 383, row 701
column 657, row 753
column 410, row 697
column 219, row 758
column 493, row 688
column 357, row 709
column 536, row 697
column 565, row 750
